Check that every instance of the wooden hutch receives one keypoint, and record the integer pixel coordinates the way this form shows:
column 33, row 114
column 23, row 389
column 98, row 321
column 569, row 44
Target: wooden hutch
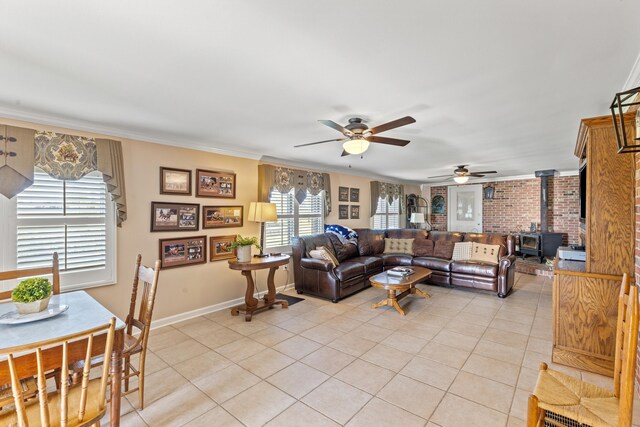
column 585, row 294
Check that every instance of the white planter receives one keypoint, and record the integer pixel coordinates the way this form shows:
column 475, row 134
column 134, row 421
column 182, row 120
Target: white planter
column 32, row 307
column 244, row 253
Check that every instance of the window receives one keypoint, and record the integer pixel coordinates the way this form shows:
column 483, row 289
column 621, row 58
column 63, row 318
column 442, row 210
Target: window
column 73, row 218
column 294, row 219
column 387, row 215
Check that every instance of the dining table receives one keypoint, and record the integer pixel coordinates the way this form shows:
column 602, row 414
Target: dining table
column 83, row 313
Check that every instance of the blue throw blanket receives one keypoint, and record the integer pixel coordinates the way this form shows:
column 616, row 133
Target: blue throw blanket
column 345, row 234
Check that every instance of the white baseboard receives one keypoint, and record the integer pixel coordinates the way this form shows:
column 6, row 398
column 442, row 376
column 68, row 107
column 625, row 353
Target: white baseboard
column 166, row 321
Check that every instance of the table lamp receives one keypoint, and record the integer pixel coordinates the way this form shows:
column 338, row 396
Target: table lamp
column 262, row 212
column 417, row 218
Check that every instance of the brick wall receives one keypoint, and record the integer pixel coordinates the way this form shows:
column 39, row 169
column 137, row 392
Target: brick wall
column 439, row 221
column 516, row 204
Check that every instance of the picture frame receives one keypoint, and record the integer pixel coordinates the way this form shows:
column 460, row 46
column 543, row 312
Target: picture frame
column 166, row 216
column 222, row 216
column 355, row 211
column 438, row 205
column 354, row 195
column 343, row 211
column 215, row 184
column 343, row 194
column 175, row 181
column 220, row 247
column 183, row 251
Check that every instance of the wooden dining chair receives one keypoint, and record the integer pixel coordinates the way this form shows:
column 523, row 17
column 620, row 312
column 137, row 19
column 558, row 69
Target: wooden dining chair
column 135, row 341
column 54, row 271
column 562, row 400
column 29, row 384
column 142, row 323
column 83, row 405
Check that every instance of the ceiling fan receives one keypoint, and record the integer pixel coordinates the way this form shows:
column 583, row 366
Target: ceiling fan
column 462, row 174
column 358, row 136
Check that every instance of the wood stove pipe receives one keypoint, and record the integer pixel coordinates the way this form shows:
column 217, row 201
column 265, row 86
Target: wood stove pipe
column 544, row 197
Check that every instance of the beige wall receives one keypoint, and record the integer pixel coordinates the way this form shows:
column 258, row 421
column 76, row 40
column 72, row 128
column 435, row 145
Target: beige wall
column 189, row 288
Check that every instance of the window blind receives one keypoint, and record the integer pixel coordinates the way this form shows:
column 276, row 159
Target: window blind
column 387, row 215
column 294, row 219
column 68, row 217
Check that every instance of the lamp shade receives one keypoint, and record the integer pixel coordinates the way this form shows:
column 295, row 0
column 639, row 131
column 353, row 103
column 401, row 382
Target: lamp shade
column 417, row 218
column 356, row 146
column 262, row 212
column 461, row 179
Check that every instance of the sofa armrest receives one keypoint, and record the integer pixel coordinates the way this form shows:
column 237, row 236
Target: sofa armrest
column 316, row 264
column 506, row 275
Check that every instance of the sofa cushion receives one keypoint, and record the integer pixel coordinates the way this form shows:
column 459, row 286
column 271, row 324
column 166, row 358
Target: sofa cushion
column 398, row 246
column 396, row 259
column 432, row 263
column 443, row 249
column 370, row 242
column 406, row 233
column 371, row 263
column 485, row 253
column 489, row 239
column 349, row 270
column 343, row 251
column 452, row 236
column 461, row 251
column 475, row 268
column 422, row 247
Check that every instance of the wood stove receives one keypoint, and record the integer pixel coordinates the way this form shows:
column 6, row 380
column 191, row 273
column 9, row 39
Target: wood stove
column 541, row 245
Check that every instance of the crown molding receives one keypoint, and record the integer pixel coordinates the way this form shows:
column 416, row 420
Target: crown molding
column 79, row 125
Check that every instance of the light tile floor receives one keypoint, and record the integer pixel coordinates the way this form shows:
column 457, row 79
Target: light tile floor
column 461, row 358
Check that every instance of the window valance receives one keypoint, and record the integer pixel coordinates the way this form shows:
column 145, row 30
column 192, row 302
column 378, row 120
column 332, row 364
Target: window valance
column 283, row 179
column 66, row 157
column 386, row 191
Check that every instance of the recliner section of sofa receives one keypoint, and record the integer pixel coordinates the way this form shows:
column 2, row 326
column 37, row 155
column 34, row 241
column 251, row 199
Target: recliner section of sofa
column 357, row 263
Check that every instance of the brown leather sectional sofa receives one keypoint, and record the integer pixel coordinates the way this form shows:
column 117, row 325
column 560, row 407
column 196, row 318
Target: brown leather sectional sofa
column 358, row 263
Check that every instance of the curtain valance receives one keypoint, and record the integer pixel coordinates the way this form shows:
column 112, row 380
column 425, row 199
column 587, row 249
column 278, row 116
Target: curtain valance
column 66, row 157
column 285, row 179
column 388, row 192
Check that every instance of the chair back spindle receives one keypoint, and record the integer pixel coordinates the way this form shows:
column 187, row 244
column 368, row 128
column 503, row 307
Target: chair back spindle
column 46, row 414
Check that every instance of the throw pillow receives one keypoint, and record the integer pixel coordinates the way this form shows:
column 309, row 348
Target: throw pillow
column 443, row 249
column 461, row 251
column 398, row 246
column 325, row 254
column 422, row 247
column 485, row 253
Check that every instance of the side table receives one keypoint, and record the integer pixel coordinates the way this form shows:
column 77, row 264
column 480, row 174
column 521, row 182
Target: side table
column 252, row 305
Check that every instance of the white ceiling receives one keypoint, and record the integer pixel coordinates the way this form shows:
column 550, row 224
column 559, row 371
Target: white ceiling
column 497, row 84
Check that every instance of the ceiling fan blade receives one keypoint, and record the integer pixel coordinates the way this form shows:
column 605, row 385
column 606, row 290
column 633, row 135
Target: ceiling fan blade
column 477, row 175
column 441, row 176
column 485, row 172
column 336, row 126
column 344, row 153
column 320, row 142
column 390, row 141
column 392, row 125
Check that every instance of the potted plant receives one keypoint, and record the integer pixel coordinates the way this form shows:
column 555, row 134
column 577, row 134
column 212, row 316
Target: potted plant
column 243, row 247
column 32, row 295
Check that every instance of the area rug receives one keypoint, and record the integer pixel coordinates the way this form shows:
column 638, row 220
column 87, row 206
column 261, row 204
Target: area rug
column 291, row 300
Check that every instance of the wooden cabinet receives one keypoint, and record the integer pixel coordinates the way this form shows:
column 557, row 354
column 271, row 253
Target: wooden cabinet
column 610, row 223
column 585, row 311
column 585, row 294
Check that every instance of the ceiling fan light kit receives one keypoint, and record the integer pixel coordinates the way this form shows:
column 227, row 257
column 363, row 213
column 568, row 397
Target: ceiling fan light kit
column 461, row 175
column 356, row 146
column 461, row 179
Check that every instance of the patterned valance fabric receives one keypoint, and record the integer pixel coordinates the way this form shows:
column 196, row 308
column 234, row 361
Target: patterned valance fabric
column 16, row 160
column 386, row 191
column 66, row 157
column 285, row 179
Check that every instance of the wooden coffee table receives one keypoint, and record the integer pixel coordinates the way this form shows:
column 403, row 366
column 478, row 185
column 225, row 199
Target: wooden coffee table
column 406, row 286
